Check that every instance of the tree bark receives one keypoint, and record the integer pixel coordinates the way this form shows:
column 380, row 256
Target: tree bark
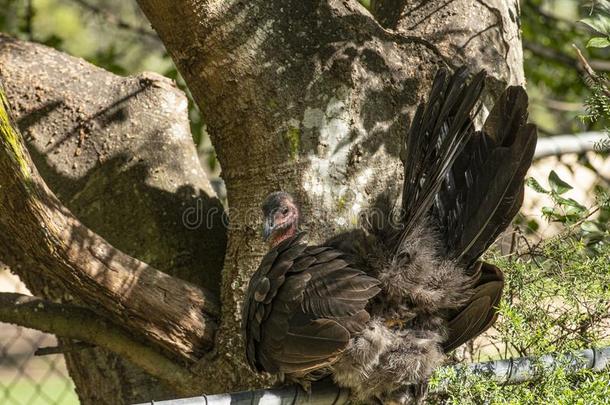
column 36, row 230
column 308, row 97
column 118, row 153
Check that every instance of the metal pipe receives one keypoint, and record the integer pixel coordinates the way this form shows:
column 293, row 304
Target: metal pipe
column 561, row 144
column 509, row 371
column 322, row 393
column 522, row 369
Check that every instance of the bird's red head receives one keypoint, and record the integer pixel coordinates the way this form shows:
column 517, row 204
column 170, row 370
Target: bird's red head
column 280, row 216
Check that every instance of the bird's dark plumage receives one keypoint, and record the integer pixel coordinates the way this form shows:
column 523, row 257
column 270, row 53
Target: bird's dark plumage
column 483, row 190
column 480, row 196
column 378, row 307
column 479, row 313
column 439, row 130
column 303, row 305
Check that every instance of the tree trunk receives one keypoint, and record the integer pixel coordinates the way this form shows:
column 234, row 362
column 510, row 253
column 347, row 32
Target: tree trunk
column 310, row 97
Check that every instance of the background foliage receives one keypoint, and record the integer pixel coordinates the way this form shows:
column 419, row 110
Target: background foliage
column 558, row 290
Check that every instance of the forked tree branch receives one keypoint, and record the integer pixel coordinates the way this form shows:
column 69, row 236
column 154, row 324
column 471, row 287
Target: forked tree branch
column 37, row 230
column 83, row 324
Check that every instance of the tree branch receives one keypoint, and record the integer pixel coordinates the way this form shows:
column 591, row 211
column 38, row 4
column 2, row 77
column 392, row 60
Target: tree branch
column 83, row 324
column 119, row 154
column 557, row 56
column 63, row 348
column 36, row 228
column 558, row 145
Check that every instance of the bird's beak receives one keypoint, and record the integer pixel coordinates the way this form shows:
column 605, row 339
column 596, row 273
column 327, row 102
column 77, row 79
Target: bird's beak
column 267, row 228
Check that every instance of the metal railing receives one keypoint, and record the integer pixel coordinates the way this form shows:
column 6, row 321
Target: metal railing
column 510, row 371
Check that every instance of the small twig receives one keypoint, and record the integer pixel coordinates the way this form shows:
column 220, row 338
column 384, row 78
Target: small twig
column 584, row 63
column 45, row 351
column 513, row 244
column 530, row 249
column 115, row 20
column 591, row 73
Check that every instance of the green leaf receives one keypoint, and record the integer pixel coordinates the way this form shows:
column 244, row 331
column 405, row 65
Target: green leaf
column 533, row 225
column 533, row 184
column 590, row 226
column 550, row 214
column 571, row 203
column 598, row 42
column 599, row 22
column 557, row 185
column 573, row 214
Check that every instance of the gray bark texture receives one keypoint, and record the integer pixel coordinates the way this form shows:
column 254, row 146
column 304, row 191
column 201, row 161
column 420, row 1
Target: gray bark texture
column 310, row 97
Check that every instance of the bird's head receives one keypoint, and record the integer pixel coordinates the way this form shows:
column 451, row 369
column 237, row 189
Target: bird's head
column 280, row 216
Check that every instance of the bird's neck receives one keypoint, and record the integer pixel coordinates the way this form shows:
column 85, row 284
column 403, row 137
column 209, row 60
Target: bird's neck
column 287, row 234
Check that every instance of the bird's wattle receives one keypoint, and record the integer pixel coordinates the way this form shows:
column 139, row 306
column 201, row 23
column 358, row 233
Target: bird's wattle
column 288, row 233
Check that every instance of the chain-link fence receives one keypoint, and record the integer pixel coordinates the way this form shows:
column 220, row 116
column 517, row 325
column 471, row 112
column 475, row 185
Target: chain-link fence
column 26, row 379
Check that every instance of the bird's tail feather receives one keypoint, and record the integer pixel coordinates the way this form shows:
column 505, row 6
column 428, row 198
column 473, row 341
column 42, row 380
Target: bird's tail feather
column 483, row 191
column 439, row 130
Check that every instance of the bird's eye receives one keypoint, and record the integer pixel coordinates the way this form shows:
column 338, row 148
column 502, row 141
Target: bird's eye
column 284, row 211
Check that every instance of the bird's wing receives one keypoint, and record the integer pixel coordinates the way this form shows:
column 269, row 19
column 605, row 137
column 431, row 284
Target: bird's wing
column 480, row 311
column 440, row 129
column 302, row 306
column 483, row 191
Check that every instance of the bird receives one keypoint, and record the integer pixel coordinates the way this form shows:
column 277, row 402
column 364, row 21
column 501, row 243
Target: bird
column 378, row 307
